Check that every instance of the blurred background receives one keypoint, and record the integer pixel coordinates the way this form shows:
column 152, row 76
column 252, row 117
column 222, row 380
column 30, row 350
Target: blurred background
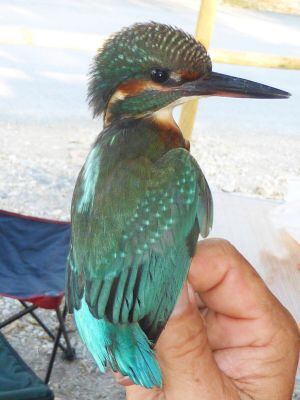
column 46, row 47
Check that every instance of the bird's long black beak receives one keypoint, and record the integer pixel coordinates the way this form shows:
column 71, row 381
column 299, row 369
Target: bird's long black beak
column 217, row 84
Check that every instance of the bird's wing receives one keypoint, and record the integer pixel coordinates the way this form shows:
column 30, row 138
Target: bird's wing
column 131, row 251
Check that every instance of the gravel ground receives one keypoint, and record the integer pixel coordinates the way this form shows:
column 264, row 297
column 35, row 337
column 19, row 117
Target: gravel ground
column 38, row 168
column 39, row 163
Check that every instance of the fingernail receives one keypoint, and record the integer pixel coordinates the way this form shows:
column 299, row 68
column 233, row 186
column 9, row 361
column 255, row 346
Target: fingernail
column 191, row 293
column 183, row 302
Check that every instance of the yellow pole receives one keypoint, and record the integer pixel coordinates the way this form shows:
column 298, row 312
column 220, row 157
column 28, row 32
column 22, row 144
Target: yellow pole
column 254, row 59
column 204, row 28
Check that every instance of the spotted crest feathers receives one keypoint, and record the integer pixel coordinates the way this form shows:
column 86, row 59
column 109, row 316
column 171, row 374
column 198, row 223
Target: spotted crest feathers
column 134, row 51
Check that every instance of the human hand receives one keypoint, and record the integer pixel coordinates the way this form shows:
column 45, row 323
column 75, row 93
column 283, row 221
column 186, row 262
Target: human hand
column 228, row 336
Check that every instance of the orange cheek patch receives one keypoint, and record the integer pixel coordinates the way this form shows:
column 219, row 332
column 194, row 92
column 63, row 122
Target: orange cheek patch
column 132, row 87
column 135, row 86
column 189, row 75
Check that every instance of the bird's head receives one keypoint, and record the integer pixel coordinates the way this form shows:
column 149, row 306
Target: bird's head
column 150, row 66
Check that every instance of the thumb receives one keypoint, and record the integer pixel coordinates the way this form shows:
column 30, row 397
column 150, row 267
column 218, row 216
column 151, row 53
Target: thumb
column 183, row 352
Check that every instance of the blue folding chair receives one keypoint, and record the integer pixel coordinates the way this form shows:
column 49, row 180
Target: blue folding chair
column 33, row 254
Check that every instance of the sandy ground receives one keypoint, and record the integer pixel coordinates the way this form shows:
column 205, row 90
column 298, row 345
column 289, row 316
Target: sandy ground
column 39, row 163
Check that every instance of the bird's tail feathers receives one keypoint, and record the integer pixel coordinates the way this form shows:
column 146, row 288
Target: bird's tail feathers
column 125, row 347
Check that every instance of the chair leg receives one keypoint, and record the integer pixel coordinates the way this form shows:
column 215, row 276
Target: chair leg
column 41, row 323
column 69, row 352
column 20, row 314
column 53, row 354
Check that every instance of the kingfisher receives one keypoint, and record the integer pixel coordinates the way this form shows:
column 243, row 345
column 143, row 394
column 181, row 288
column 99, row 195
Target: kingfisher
column 141, row 200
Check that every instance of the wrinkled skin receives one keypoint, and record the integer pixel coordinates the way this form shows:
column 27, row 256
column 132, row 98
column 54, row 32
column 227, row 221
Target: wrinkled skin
column 234, row 341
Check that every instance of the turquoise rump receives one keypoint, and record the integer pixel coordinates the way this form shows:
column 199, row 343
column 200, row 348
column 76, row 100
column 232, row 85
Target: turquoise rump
column 140, row 200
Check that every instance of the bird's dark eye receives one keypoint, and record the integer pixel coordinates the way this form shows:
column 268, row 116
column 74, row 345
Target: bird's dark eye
column 159, row 75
